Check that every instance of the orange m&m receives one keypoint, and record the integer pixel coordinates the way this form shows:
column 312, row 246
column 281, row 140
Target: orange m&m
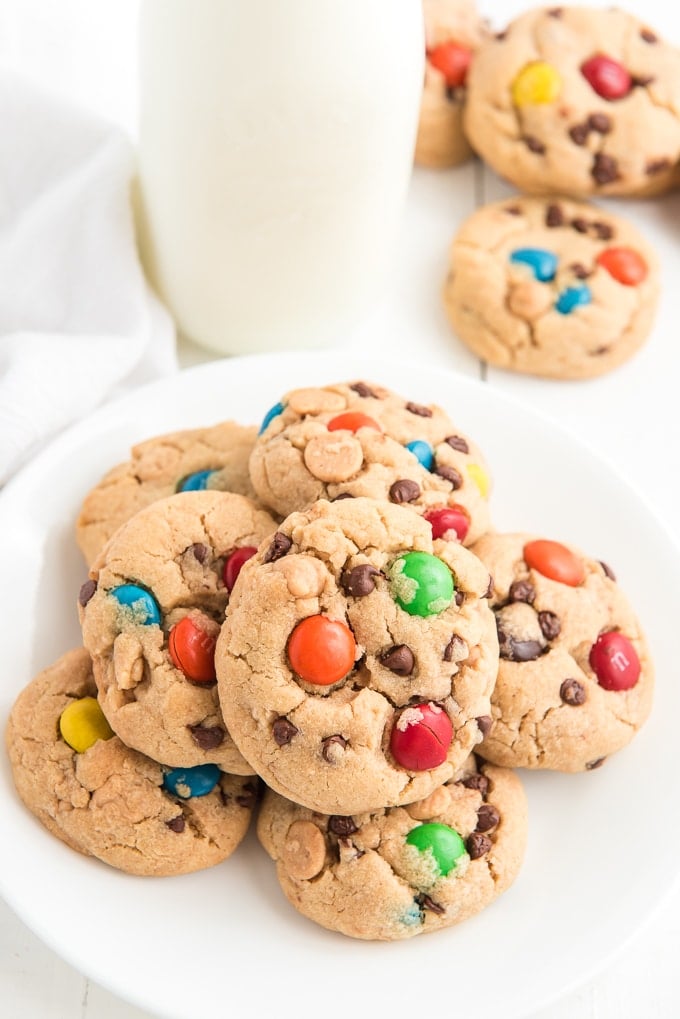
column 321, row 650
column 452, row 60
column 352, row 421
column 554, row 561
column 191, row 645
column 625, row 265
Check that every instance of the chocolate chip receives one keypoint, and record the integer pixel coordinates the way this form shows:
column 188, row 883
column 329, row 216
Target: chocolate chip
column 522, row 590
column 518, row 650
column 554, row 215
column 648, row 35
column 342, row 826
column 330, row 748
column 603, row 231
column 281, row 544
column 555, row 12
column 425, row 902
column 489, row 588
column 579, row 133
column 450, row 474
column 419, row 409
column 399, row 659
column 207, row 737
column 597, row 763
column 476, row 781
column 580, row 271
column 533, row 144
column 343, row 495
column 176, row 823
column 550, row 625
column 484, row 722
column 642, row 80
column 456, row 649
column 199, row 552
column 459, row 598
column 500, row 36
column 608, row 571
column 361, row 389
column 600, row 123
column 487, row 817
column 360, row 580
column 572, row 692
column 404, row 490
column 478, row 845
column 605, row 169
column 283, row 731
column 657, row 166
column 457, row 442
column 512, row 210
column 580, row 225
column 248, row 797
column 86, row 592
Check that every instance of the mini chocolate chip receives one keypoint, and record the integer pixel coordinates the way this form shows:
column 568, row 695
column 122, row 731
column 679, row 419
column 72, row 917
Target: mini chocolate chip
column 572, row 692
column 642, row 80
column 522, row 590
column 342, row 826
column 555, row 12
column 207, row 737
column 598, row 351
column 330, row 747
column 657, row 166
column 281, row 544
column 248, row 797
column 476, row 781
column 459, row 598
column 457, row 442
column 455, row 93
column 399, row 659
column 554, row 215
column 199, row 552
column 600, row 122
column 361, row 389
column 518, row 650
column 283, row 731
column 533, row 144
column 602, row 231
column 455, row 650
column 484, row 722
column 450, row 474
column 550, row 625
column 343, row 495
column 608, row 571
column 86, row 592
column 176, row 823
column 579, row 133
column 478, row 845
column 425, row 902
column 489, row 588
column 580, row 271
column 648, row 36
column 360, row 580
column 605, row 169
column 580, row 225
column 500, row 36
column 512, row 210
column 224, row 796
column 404, row 490
column 487, row 817
column 597, row 763
column 419, row 410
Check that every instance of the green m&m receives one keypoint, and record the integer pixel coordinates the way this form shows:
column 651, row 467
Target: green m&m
column 443, row 842
column 421, row 583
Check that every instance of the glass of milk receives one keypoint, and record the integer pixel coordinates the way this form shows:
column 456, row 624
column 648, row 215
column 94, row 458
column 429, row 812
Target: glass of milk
column 276, row 142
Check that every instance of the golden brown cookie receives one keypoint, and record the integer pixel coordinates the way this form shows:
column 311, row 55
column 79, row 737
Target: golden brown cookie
column 108, row 801
column 213, row 458
column 577, row 100
column 395, row 873
column 357, row 659
column 551, row 287
column 151, row 612
column 575, row 679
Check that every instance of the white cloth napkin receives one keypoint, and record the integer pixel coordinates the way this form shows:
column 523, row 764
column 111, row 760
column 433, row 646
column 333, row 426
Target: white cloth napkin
column 78, row 322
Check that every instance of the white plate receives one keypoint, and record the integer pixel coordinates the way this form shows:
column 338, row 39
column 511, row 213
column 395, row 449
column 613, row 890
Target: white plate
column 602, row 850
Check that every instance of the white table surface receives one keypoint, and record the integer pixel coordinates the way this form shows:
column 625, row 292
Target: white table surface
column 87, row 52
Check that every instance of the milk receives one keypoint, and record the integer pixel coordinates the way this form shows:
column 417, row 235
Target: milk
column 275, row 149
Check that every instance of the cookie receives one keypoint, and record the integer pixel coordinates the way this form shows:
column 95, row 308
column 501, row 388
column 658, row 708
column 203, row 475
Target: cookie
column 403, row 871
column 575, row 680
column 453, row 31
column 213, row 458
column 359, row 439
column 577, row 100
column 357, row 659
column 108, row 801
column 150, row 614
column 551, row 287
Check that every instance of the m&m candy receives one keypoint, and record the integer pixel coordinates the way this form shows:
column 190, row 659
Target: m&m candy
column 233, row 564
column 554, row 561
column 421, row 583
column 321, row 650
column 82, row 723
column 607, row 77
column 421, row 737
column 352, row 421
column 191, row 645
column 444, row 843
column 450, row 522
column 140, row 602
column 614, row 661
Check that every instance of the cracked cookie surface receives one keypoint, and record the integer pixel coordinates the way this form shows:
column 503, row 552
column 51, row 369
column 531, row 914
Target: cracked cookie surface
column 360, row 439
column 357, row 659
column 558, row 703
column 159, row 467
column 150, row 614
column 577, row 100
column 108, row 801
column 551, row 287
column 387, row 875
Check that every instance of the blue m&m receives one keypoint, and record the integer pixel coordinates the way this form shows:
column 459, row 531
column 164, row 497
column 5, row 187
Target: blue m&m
column 573, row 297
column 272, row 413
column 188, row 782
column 196, row 482
column 542, row 263
column 142, row 604
column 423, row 452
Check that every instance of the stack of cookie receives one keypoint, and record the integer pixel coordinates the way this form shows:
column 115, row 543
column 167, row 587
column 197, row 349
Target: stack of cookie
column 334, row 636
column 565, row 101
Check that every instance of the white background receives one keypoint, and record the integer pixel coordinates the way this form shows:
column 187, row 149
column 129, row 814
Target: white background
column 85, row 50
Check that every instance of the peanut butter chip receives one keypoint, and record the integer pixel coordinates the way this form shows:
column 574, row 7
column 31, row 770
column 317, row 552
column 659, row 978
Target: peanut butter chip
column 432, row 806
column 128, row 662
column 529, row 300
column 333, row 457
column 315, row 401
column 304, row 850
column 305, row 576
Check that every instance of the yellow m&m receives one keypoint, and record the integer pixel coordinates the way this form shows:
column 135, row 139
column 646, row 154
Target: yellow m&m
column 537, row 83
column 82, row 723
column 480, row 478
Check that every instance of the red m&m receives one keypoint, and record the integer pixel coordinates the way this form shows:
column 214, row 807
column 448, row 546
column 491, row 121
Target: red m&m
column 233, row 564
column 450, row 522
column 191, row 645
column 625, row 265
column 421, row 737
column 554, row 561
column 607, row 77
column 352, row 421
column 614, row 661
column 321, row 650
column 452, row 60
